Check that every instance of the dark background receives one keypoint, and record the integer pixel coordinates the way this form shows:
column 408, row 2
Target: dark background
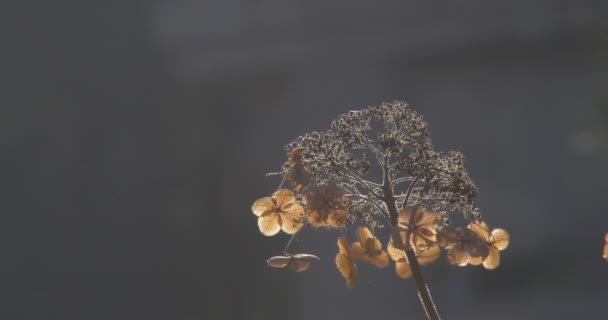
column 136, row 134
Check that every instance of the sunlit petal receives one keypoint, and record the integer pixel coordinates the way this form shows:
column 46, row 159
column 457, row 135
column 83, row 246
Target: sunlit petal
column 360, row 252
column 428, row 256
column 284, row 197
column 500, row 238
column 481, row 229
column 458, row 256
column 428, row 219
column 403, row 270
column 363, row 233
column 262, row 205
column 394, row 253
column 381, row 260
column 293, row 218
column 493, row 259
column 269, row 225
column 279, row 261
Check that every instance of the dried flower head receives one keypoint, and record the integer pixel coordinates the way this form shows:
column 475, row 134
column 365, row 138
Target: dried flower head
column 497, row 240
column 297, row 174
column 297, row 262
column 423, row 229
column 369, row 249
column 378, row 167
column 325, row 205
column 345, row 261
column 464, row 246
column 279, row 212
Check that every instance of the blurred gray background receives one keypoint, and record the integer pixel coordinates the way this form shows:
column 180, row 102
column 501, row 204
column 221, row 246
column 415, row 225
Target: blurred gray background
column 136, row 134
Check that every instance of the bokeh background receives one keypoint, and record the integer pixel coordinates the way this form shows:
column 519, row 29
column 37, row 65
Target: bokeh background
column 136, row 134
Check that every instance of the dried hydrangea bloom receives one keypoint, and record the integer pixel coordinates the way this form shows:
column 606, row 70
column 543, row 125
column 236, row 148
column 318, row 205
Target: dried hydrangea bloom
column 345, row 261
column 279, row 212
column 424, row 229
column 297, row 262
column 369, row 249
column 497, row 240
column 297, row 174
column 325, row 205
column 464, row 246
column 402, row 267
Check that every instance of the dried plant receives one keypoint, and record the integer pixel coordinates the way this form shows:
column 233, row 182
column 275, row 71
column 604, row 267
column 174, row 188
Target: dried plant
column 331, row 174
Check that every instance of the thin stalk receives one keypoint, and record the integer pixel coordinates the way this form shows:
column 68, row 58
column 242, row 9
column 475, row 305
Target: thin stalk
column 423, row 290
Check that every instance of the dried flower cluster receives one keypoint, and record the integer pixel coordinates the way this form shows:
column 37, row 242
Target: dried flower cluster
column 375, row 167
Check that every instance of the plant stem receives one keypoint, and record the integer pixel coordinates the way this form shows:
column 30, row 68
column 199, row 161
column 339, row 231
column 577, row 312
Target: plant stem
column 423, row 290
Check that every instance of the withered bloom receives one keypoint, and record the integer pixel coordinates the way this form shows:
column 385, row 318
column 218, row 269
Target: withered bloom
column 297, row 262
column 464, row 246
column 279, row 212
column 497, row 240
column 297, row 174
column 345, row 261
column 325, row 205
column 424, row 229
column 369, row 249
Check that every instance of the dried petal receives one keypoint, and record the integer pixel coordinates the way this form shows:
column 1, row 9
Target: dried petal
column 270, row 225
column 262, row 206
column 345, row 262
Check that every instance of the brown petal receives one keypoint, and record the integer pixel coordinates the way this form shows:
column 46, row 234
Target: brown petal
column 493, row 259
column 269, row 225
column 284, row 197
column 428, row 219
column 346, row 268
column 316, row 218
column 293, row 218
column 458, row 256
column 428, row 256
column 299, row 265
column 481, row 229
column 363, row 234
column 403, row 270
column 359, row 252
column 394, row 253
column 262, row 205
column 381, row 260
column 337, row 217
column 500, row 238
column 279, row 261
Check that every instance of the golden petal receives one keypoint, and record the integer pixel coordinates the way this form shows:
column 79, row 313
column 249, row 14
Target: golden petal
column 346, row 268
column 500, row 238
column 606, row 237
column 363, row 234
column 458, row 256
column 428, row 219
column 359, row 252
column 262, row 205
column 404, row 216
column 606, row 251
column 344, row 247
column 396, row 254
column 337, row 217
column 428, row 256
column 279, row 261
column 299, row 265
column 381, row 260
column 493, row 259
column 476, row 260
column 481, row 229
column 403, row 270
column 292, row 218
column 284, row 197
column 269, row 225
column 316, row 217
column 375, row 247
